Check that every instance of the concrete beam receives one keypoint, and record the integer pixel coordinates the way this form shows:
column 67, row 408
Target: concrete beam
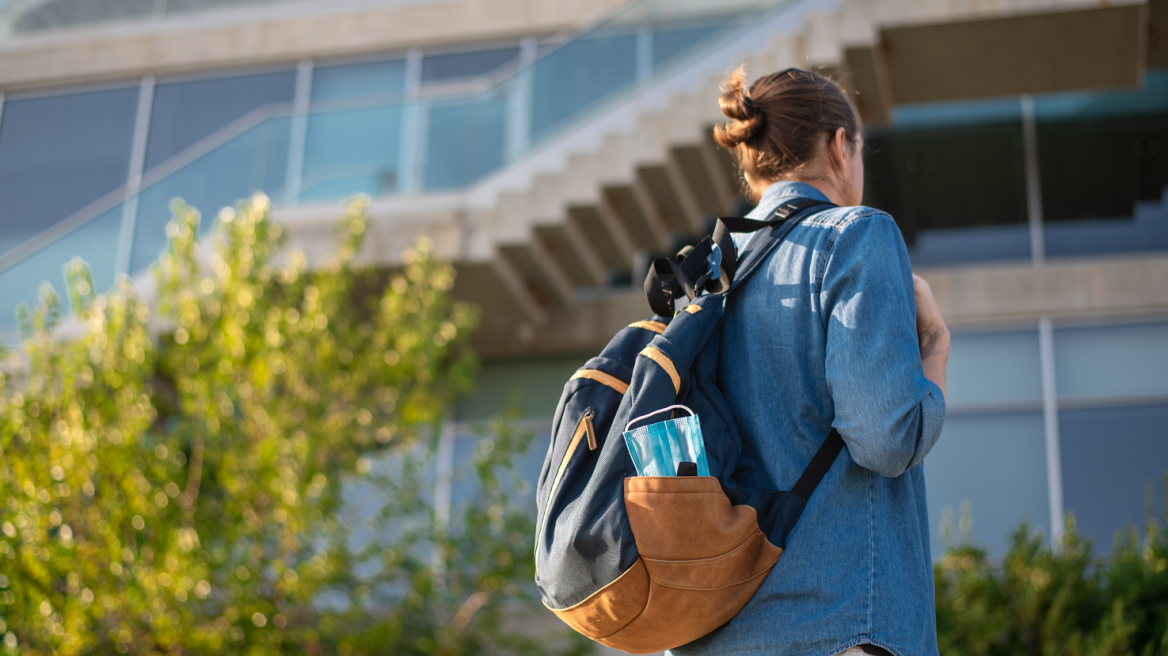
column 983, row 296
column 573, row 252
column 1035, row 53
column 604, row 231
column 1073, row 289
column 867, row 78
column 690, row 163
column 257, row 35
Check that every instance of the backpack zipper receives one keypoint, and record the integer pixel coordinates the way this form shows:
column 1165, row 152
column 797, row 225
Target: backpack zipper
column 584, row 427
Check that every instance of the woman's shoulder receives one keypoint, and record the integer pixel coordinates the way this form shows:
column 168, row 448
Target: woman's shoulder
column 842, row 218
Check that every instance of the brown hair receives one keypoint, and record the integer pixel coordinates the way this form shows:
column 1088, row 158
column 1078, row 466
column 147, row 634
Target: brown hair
column 780, row 123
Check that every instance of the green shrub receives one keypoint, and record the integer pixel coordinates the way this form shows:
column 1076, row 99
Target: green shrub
column 1062, row 602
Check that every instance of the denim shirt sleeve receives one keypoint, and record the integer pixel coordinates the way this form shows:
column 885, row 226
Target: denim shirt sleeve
column 888, row 413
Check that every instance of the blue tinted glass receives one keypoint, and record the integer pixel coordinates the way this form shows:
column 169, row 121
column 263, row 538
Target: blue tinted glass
column 1112, row 361
column 59, row 154
column 185, row 113
column 465, row 485
column 466, row 142
column 349, row 152
column 96, row 242
column 1103, row 164
column 963, row 113
column 987, row 368
column 465, row 65
column 256, row 160
column 579, row 75
column 368, row 78
column 1114, row 461
column 996, row 466
column 669, row 42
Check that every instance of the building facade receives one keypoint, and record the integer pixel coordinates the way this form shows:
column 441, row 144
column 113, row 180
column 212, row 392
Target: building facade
column 551, row 148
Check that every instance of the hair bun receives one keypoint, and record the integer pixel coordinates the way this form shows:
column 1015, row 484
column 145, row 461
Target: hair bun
column 736, row 104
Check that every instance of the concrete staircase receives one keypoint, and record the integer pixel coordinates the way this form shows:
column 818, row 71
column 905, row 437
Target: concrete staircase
column 539, row 244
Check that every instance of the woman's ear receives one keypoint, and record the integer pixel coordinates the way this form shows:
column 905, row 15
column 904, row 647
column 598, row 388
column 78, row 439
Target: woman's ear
column 839, row 150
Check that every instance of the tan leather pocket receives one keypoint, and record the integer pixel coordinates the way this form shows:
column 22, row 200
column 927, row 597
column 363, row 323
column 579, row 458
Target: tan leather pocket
column 701, row 561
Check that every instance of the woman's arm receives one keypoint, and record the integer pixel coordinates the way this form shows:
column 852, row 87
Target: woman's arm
column 932, row 334
column 888, row 409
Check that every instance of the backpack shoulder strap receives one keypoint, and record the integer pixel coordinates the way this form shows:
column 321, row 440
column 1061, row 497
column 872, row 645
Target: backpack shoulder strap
column 781, row 222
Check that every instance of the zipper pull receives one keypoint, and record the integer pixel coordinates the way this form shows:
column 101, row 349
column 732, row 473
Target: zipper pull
column 590, row 430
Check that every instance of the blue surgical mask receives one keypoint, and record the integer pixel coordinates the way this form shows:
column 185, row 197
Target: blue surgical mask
column 658, row 448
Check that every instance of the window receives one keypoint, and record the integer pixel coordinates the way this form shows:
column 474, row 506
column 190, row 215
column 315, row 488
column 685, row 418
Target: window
column 462, row 66
column 994, row 466
column 186, row 112
column 1114, row 461
column 671, row 41
column 581, row 74
column 1103, row 161
column 994, row 368
column 360, row 79
column 256, row 160
column 58, row 154
column 96, row 242
column 1111, row 361
column 953, row 177
column 358, row 149
column 465, row 142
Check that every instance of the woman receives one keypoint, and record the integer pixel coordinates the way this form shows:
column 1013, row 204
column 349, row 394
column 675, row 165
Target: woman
column 834, row 331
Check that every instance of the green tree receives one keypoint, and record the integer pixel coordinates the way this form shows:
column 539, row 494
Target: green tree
column 176, row 483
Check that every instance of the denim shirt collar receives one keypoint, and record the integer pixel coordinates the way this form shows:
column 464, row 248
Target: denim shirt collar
column 780, row 191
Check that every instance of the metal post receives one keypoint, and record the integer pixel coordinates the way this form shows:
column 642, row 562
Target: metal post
column 1054, row 467
column 409, row 174
column 519, row 100
column 299, row 132
column 644, row 55
column 1033, row 182
column 134, row 176
column 444, row 487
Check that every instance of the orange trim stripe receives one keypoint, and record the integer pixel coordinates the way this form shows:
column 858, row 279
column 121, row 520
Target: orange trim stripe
column 580, row 431
column 601, row 377
column 654, row 354
column 655, row 326
column 693, row 309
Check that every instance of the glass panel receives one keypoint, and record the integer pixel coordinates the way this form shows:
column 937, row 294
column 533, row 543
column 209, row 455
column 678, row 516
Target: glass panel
column 1112, row 459
column 1111, row 361
column 185, row 113
column 953, row 177
column 465, row 65
column 1103, row 161
column 466, row 142
column 531, row 386
column 59, row 154
column 465, row 486
column 96, row 242
column 349, row 152
column 996, row 466
column 580, row 74
column 367, row 78
column 256, row 160
column 669, row 42
column 994, row 368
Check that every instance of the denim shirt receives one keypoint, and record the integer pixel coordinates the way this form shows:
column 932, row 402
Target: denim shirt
column 824, row 334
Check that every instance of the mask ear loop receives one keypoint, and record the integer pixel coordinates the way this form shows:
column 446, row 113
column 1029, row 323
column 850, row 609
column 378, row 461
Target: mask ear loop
column 656, row 412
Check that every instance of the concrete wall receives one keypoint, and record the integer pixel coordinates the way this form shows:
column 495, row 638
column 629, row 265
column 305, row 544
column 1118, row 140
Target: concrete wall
column 254, row 37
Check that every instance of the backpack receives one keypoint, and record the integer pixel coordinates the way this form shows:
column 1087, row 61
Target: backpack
column 648, row 563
